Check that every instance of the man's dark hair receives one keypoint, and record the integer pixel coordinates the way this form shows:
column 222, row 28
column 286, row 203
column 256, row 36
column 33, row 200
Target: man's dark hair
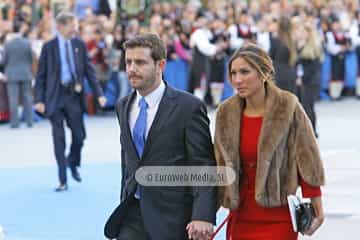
column 149, row 40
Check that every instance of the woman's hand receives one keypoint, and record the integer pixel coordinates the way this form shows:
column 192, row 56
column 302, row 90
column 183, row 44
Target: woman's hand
column 319, row 216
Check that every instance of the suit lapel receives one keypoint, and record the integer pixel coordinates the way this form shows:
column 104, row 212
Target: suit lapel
column 126, row 128
column 75, row 52
column 57, row 59
column 166, row 107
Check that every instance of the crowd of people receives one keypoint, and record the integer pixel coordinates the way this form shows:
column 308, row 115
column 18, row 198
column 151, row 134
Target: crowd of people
column 262, row 134
column 314, row 44
column 268, row 58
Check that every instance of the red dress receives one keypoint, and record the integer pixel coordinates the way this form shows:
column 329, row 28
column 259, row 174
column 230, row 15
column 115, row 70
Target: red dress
column 250, row 220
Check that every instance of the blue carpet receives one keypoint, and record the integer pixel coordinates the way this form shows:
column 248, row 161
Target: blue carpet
column 31, row 210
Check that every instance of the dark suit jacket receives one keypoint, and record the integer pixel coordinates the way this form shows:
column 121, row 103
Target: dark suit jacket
column 180, row 136
column 48, row 79
column 18, row 60
column 285, row 75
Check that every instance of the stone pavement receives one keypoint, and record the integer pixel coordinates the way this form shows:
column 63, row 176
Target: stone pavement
column 30, row 210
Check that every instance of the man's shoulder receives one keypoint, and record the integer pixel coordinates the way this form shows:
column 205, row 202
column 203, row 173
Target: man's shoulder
column 23, row 42
column 11, row 43
column 120, row 104
column 14, row 44
column 185, row 98
column 78, row 41
column 50, row 43
column 22, row 39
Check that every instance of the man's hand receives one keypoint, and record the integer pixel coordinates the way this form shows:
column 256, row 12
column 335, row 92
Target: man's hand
column 3, row 77
column 199, row 230
column 102, row 101
column 40, row 107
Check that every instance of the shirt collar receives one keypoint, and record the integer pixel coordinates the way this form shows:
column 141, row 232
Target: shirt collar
column 153, row 98
column 62, row 40
column 17, row 35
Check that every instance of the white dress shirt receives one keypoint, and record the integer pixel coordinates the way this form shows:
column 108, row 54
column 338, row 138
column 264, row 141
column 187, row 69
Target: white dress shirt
column 201, row 39
column 263, row 39
column 153, row 100
column 331, row 45
column 235, row 41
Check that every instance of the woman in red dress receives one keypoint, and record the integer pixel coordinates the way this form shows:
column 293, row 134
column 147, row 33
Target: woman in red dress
column 264, row 134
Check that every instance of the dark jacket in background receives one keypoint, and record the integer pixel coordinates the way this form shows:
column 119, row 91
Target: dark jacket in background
column 48, row 79
column 18, row 60
column 285, row 75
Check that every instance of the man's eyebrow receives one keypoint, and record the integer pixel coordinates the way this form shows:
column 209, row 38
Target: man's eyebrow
column 135, row 59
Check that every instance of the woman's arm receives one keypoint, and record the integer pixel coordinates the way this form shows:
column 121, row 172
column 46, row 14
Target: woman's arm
column 319, row 215
column 310, row 166
column 314, row 193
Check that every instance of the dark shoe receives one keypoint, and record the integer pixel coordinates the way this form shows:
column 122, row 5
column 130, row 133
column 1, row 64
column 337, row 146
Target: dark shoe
column 61, row 188
column 75, row 174
column 14, row 126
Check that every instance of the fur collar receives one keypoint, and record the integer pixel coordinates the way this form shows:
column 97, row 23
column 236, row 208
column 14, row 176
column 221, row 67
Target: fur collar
column 279, row 112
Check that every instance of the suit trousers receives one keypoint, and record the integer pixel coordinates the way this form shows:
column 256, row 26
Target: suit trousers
column 310, row 94
column 132, row 226
column 13, row 95
column 69, row 109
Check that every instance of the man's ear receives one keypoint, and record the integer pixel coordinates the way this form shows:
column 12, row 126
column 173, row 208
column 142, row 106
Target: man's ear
column 162, row 64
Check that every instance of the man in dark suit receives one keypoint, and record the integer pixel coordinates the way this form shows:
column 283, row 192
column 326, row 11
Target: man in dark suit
column 18, row 59
column 160, row 126
column 59, row 94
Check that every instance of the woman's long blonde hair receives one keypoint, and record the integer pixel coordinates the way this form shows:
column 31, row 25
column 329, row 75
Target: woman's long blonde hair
column 285, row 36
column 313, row 47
